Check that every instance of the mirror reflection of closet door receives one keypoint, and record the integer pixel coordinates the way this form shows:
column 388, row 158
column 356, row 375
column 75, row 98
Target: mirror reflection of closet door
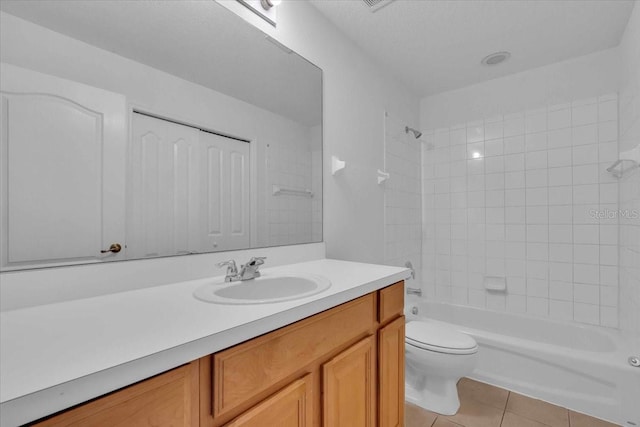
column 163, row 192
column 63, row 146
column 189, row 190
column 224, row 207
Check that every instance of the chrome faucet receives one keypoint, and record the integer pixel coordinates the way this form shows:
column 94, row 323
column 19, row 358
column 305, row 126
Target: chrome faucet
column 250, row 269
column 232, row 270
column 247, row 271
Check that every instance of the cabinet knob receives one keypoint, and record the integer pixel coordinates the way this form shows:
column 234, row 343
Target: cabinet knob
column 114, row 248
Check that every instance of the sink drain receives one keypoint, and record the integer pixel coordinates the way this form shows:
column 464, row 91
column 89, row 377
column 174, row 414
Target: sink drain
column 634, row 361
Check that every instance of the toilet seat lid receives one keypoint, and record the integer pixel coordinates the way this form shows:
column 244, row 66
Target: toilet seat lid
column 439, row 337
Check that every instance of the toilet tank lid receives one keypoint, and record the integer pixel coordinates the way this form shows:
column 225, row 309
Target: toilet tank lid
column 438, row 335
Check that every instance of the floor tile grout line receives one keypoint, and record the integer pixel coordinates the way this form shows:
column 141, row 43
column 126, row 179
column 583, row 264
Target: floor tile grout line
column 504, row 410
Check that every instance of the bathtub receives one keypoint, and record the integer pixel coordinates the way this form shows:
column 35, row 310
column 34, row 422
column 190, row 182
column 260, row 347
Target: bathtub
column 579, row 367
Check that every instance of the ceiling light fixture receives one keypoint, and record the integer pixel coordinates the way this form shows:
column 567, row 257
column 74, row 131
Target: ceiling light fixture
column 495, row 58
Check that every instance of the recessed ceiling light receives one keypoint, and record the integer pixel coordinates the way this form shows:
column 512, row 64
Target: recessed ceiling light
column 495, row 58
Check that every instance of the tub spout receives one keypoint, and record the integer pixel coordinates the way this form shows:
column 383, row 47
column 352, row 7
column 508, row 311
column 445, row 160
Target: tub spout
column 414, row 291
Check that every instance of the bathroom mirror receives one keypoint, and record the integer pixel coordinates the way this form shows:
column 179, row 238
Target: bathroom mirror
column 136, row 129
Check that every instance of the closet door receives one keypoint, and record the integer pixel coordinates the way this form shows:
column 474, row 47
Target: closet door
column 63, row 150
column 163, row 200
column 189, row 190
column 225, row 192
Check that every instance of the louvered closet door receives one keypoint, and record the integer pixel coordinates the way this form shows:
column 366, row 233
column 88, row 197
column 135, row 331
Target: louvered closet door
column 63, row 151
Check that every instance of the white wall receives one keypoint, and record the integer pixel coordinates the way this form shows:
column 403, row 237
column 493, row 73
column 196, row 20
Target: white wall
column 630, row 185
column 521, row 209
column 357, row 92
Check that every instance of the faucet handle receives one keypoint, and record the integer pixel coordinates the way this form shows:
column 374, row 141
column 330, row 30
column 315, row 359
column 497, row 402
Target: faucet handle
column 232, row 268
column 257, row 260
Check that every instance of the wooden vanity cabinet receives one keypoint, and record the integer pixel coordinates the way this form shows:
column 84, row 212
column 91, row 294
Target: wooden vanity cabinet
column 168, row 399
column 343, row 367
column 352, row 357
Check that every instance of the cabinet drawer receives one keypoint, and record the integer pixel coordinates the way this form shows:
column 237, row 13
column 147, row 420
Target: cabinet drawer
column 246, row 370
column 391, row 304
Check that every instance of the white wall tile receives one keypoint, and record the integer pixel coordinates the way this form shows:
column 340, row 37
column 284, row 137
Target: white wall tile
column 561, row 310
column 526, row 209
column 562, row 291
column 536, row 178
column 584, row 114
column 494, row 129
column 562, row 272
column 535, row 141
column 536, row 122
column 560, row 195
column 513, row 125
column 559, row 119
column 585, row 154
column 560, row 176
column 537, row 196
column 586, row 254
column 560, row 233
column 586, row 313
column 608, row 111
column 515, row 144
column 514, row 179
column 561, row 252
column 494, row 147
column 559, row 157
column 584, row 135
column 559, row 138
column 586, row 274
column 538, row 306
column 607, row 131
column 516, row 303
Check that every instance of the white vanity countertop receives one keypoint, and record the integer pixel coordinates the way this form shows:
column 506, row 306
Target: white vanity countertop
column 57, row 355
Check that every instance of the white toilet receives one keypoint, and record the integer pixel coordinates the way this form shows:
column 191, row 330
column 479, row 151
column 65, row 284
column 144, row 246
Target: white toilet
column 437, row 356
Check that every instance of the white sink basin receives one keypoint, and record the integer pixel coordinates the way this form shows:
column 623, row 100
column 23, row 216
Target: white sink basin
column 263, row 290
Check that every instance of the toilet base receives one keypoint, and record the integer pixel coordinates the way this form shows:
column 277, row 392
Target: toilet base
column 441, row 397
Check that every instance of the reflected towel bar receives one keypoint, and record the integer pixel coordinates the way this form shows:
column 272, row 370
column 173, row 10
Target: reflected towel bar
column 278, row 190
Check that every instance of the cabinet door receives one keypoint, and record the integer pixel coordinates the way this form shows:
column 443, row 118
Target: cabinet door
column 290, row 407
column 166, row 400
column 349, row 387
column 391, row 374
column 62, row 162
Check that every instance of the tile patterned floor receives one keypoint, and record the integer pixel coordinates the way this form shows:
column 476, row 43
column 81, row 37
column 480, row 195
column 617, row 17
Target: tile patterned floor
column 483, row 405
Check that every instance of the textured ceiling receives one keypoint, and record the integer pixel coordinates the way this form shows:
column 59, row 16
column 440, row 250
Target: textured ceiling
column 437, row 45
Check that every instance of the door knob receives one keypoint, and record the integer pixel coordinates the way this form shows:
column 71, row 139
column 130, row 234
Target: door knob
column 114, row 248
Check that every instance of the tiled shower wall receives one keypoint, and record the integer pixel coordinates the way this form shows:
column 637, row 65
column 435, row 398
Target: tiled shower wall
column 526, row 197
column 289, row 165
column 402, row 198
